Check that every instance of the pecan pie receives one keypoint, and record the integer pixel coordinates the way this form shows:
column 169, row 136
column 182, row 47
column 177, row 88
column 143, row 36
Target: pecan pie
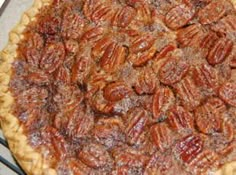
column 122, row 87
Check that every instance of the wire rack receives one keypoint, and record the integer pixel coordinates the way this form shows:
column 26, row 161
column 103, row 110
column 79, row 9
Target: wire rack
column 9, row 164
column 3, row 4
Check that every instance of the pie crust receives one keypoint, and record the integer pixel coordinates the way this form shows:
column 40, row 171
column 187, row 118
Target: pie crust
column 31, row 160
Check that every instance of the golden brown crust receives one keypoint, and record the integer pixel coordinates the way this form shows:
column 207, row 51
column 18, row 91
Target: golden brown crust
column 31, row 160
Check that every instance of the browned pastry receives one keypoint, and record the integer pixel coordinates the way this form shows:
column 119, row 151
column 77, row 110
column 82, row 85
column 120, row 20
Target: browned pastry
column 122, row 87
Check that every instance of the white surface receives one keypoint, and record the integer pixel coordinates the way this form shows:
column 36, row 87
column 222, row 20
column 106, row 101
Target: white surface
column 10, row 17
column 5, row 171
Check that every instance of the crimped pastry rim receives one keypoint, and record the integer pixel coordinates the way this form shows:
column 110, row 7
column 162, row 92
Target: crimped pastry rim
column 32, row 161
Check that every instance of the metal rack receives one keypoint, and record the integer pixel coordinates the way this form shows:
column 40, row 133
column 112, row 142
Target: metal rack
column 3, row 5
column 15, row 168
